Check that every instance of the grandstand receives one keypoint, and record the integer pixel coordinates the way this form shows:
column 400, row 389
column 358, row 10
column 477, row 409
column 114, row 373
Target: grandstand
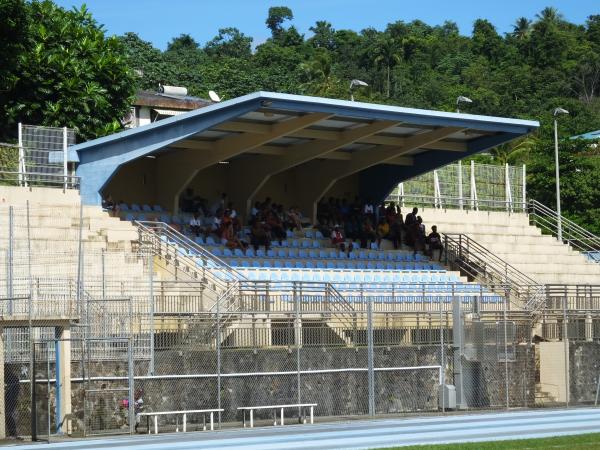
column 101, row 309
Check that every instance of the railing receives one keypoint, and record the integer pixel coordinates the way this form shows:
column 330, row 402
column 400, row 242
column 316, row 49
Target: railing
column 449, row 202
column 477, row 262
column 576, row 236
column 33, row 179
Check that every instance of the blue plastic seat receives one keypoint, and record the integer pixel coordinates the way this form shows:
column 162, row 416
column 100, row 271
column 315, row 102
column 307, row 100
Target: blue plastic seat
column 380, row 265
column 295, row 243
column 374, row 246
column 157, row 208
column 320, row 264
column 310, row 265
column 333, row 254
column 239, row 253
column 285, row 243
column 313, row 254
column 227, row 252
column 353, row 254
column 306, row 243
column 390, row 256
column 210, row 241
column 271, row 253
column 146, row 208
column 319, row 235
column 381, row 256
column 323, row 254
column 371, row 265
column 330, row 265
column 199, row 240
column 250, row 252
column 293, row 253
column 217, row 251
column 135, row 207
column 372, row 255
column 299, row 265
column 277, row 263
column 274, row 243
column 124, row 207
column 260, row 253
column 289, row 264
column 129, row 217
column 245, row 263
column 302, row 253
column 340, row 265
column 289, row 233
column 316, row 244
column 233, row 263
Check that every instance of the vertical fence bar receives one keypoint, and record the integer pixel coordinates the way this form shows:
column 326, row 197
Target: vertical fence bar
column 298, row 339
column 370, row 357
column 80, row 261
column 507, row 190
column 474, row 205
column 506, row 380
column 460, row 185
column 65, row 158
column 10, row 258
column 442, row 363
column 131, row 381
column 152, row 309
column 218, row 345
column 566, row 348
column 524, row 194
column 21, row 156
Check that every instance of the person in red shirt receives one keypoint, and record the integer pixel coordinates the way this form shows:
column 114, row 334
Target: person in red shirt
column 338, row 240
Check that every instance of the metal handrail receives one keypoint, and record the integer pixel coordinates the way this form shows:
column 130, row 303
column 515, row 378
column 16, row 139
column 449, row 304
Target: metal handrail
column 455, row 202
column 572, row 234
column 480, row 263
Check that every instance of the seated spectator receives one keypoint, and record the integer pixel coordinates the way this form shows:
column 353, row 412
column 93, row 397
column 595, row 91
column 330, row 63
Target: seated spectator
column 338, row 240
column 232, row 240
column 368, row 234
column 383, row 231
column 109, row 206
column 260, row 235
column 276, row 227
column 410, row 225
column 434, row 242
column 395, row 234
column 196, row 225
column 294, row 217
column 418, row 238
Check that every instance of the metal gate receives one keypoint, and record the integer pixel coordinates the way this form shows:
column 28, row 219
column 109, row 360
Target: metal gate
column 82, row 387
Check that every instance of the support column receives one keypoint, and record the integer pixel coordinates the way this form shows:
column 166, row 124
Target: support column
column 63, row 386
column 589, row 328
column 458, row 350
column 2, row 405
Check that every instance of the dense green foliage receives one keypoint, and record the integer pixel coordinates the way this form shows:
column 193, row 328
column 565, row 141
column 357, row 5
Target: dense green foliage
column 61, row 70
column 58, row 68
column 543, row 63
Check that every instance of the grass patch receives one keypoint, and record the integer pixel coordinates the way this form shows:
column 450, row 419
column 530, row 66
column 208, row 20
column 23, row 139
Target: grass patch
column 578, row 442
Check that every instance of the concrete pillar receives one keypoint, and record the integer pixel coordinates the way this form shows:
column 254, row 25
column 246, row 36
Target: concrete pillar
column 63, row 388
column 2, row 406
column 589, row 328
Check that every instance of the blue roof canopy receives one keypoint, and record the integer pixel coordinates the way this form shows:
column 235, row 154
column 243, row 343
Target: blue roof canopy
column 361, row 136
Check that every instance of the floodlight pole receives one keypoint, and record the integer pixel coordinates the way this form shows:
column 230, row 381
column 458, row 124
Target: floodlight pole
column 558, row 212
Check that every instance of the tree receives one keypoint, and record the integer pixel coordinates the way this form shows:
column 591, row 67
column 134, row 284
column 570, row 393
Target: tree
column 231, row 43
column 319, row 76
column 521, row 28
column 277, row 16
column 71, row 75
column 388, row 55
column 324, row 35
column 183, row 42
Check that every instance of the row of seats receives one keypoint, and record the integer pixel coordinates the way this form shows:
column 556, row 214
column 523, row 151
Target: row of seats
column 351, row 276
column 331, row 253
column 357, row 265
column 137, row 208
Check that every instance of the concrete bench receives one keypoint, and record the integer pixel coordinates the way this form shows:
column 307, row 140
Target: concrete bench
column 155, row 414
column 275, row 408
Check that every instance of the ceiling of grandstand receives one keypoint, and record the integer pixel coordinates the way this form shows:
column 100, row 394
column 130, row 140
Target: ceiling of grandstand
column 285, row 131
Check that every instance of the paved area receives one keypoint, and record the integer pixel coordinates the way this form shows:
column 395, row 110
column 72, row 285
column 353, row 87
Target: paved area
column 360, row 434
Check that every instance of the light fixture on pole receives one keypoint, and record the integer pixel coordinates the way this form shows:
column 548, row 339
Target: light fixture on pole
column 354, row 84
column 557, row 112
column 462, row 99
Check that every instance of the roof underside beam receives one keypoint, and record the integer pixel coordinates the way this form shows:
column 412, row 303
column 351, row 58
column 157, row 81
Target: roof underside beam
column 255, row 177
column 329, row 172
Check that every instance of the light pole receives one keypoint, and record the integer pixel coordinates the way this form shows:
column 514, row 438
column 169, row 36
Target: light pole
column 354, row 84
column 558, row 112
column 463, row 99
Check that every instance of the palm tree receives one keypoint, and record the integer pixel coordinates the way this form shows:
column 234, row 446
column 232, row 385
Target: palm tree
column 549, row 15
column 319, row 74
column 521, row 28
column 387, row 54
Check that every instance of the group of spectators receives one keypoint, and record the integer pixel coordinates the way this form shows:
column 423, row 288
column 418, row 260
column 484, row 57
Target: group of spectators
column 362, row 221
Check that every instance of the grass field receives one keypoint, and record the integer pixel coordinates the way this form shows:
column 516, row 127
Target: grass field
column 581, row 441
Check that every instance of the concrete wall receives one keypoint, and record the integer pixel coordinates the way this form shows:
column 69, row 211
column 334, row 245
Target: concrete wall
column 18, row 196
column 584, row 371
column 552, row 369
column 135, row 182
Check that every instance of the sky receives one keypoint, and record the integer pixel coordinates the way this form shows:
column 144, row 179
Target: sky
column 158, row 21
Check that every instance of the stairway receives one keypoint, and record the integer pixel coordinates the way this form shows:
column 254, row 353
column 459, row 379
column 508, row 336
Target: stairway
column 511, row 237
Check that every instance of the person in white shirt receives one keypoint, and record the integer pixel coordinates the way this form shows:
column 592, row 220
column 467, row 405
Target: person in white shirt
column 196, row 225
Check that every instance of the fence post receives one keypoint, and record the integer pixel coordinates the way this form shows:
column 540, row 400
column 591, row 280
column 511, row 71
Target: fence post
column 566, row 349
column 507, row 191
column 437, row 196
column 218, row 344
column 21, row 177
column 370, row 357
column 474, row 203
column 10, row 258
column 65, row 158
column 460, row 185
column 442, row 363
column 506, row 381
column 298, row 341
column 152, row 309
column 524, row 195
column 130, row 376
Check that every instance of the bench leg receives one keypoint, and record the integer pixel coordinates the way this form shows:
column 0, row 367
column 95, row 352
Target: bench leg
column 212, row 421
column 148, row 424
column 203, row 422
column 281, row 416
column 243, row 418
column 184, row 423
column 311, row 414
column 155, row 424
column 251, row 418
